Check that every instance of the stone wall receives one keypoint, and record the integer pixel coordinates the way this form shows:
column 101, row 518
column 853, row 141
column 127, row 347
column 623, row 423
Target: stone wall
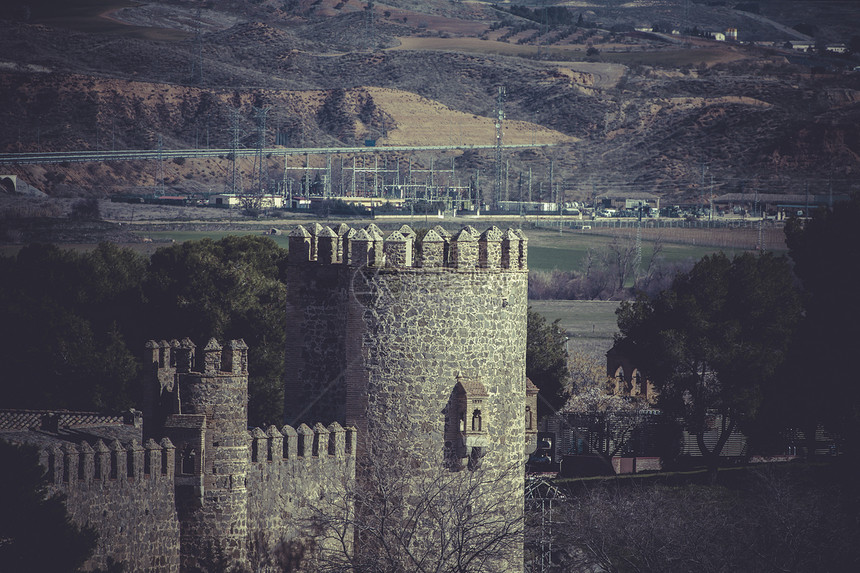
column 290, row 471
column 125, row 492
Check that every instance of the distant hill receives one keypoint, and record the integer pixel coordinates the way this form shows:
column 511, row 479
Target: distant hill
column 678, row 115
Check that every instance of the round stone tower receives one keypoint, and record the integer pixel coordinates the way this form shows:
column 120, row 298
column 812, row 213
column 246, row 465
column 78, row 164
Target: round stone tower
column 420, row 344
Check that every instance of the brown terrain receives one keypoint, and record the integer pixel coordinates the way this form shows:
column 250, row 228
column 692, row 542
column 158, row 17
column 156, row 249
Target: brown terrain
column 679, row 116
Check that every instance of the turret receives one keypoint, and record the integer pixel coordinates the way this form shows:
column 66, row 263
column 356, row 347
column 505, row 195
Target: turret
column 207, row 425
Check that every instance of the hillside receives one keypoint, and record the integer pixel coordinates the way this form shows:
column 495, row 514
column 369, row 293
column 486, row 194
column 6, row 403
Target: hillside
column 627, row 110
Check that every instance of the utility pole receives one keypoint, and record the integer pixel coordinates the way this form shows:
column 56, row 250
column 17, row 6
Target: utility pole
column 500, row 117
column 507, row 181
column 530, row 184
column 478, row 191
column 711, row 200
column 551, row 186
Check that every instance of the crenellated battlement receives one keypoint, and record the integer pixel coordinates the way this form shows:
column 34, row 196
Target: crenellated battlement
column 466, row 250
column 285, row 445
column 70, row 466
column 177, row 356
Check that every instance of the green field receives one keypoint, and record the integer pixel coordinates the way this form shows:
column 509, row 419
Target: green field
column 549, row 250
column 581, row 318
column 590, row 324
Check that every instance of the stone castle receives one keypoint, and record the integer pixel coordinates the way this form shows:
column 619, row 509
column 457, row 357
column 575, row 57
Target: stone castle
column 418, row 342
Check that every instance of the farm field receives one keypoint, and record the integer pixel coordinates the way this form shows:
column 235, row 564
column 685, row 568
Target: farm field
column 590, row 324
column 566, row 254
column 548, row 250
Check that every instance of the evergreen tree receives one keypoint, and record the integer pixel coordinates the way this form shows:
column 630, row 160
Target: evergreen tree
column 713, row 342
column 546, row 362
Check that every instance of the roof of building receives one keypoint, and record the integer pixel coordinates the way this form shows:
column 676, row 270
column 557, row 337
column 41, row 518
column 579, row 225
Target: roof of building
column 472, row 386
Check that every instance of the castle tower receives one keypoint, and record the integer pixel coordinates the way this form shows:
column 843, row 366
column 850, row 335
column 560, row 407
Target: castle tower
column 204, row 413
column 427, row 351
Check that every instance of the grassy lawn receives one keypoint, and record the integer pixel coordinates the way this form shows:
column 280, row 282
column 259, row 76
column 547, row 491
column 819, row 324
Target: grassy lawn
column 590, row 324
column 581, row 318
column 549, row 250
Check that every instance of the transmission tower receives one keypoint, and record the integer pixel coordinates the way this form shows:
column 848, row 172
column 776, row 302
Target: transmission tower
column 261, row 168
column 235, row 150
column 161, row 163
column 368, row 24
column 500, row 117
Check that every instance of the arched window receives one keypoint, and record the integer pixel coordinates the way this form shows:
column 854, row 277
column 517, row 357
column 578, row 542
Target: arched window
column 528, row 417
column 189, row 460
column 476, row 421
column 619, row 380
column 637, row 389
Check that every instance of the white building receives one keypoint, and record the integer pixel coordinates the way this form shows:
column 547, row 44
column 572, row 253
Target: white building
column 235, row 200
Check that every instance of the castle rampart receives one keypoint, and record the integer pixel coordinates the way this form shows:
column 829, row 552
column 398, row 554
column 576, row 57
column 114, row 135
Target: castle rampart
column 209, row 490
column 415, row 337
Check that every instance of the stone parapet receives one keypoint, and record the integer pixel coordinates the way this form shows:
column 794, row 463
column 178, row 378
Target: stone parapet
column 71, row 465
column 280, row 446
column 465, row 250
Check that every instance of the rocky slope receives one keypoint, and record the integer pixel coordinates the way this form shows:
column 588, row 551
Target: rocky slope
column 641, row 113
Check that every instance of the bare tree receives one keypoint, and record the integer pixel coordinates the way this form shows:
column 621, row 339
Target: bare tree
column 622, row 259
column 605, row 419
column 406, row 514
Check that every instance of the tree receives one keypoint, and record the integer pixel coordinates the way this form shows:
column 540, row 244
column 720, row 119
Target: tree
column 227, row 289
column 68, row 319
column 824, row 254
column 606, row 419
column 712, row 343
column 419, row 517
column 86, row 209
column 35, row 531
column 64, row 321
column 546, row 362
